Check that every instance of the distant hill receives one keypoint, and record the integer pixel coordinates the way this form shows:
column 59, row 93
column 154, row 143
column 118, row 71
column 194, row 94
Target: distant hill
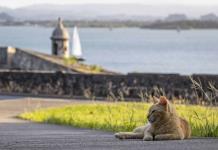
column 209, row 17
column 105, row 11
column 6, row 17
column 83, row 12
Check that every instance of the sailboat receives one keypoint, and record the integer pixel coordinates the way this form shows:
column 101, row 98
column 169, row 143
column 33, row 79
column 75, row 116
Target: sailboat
column 76, row 48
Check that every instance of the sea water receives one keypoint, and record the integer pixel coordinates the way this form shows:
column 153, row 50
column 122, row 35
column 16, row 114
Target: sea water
column 131, row 49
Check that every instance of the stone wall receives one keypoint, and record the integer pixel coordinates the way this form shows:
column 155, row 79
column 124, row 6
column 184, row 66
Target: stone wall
column 113, row 87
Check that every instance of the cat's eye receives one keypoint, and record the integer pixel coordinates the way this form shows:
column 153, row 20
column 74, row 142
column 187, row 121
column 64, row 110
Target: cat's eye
column 153, row 111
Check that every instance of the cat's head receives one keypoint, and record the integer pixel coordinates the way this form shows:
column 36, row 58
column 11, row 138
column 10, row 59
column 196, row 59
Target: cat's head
column 161, row 109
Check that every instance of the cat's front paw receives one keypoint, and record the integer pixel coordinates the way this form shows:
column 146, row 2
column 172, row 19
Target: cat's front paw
column 119, row 135
column 148, row 138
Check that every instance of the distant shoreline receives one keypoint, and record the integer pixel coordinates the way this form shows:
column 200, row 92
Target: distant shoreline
column 157, row 25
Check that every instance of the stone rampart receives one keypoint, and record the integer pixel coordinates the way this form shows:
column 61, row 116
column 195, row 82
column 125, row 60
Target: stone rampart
column 113, row 87
column 27, row 60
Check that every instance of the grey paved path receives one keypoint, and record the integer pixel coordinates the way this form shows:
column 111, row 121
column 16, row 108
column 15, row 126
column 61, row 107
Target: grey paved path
column 21, row 135
column 30, row 136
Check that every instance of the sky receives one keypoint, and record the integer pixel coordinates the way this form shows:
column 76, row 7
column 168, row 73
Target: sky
column 20, row 3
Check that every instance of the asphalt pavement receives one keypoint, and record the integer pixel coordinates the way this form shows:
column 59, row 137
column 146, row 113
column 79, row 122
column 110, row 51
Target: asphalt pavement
column 17, row 134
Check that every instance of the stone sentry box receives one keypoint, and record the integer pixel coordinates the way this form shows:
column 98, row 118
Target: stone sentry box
column 6, row 55
column 3, row 56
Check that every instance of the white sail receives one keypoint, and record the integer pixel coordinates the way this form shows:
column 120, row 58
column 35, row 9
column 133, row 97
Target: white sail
column 77, row 50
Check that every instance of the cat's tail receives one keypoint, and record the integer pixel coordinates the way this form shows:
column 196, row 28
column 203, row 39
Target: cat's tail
column 186, row 128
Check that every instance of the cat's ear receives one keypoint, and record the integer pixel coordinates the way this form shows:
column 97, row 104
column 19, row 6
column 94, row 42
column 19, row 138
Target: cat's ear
column 163, row 100
column 155, row 100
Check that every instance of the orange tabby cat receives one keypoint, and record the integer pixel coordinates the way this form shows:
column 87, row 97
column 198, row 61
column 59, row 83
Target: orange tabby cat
column 164, row 124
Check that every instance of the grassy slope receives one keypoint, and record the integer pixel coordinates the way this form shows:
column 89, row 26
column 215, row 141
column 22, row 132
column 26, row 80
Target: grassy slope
column 123, row 117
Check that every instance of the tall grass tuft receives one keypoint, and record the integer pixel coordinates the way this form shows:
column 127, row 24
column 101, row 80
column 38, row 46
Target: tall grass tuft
column 205, row 126
column 207, row 122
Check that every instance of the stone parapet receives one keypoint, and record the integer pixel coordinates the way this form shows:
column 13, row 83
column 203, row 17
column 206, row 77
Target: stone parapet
column 111, row 87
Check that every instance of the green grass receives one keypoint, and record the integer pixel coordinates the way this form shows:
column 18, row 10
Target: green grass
column 123, row 117
column 70, row 61
column 96, row 68
column 73, row 61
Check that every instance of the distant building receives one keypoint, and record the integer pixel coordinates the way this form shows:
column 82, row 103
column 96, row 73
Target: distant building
column 60, row 40
column 176, row 17
column 209, row 17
